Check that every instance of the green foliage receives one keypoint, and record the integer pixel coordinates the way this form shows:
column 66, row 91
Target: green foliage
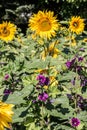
column 21, row 59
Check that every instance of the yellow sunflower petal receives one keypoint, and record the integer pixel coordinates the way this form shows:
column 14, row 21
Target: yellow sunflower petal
column 1, row 127
column 5, row 115
column 53, row 81
column 45, row 87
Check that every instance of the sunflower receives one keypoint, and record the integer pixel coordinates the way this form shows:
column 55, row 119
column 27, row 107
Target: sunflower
column 44, row 24
column 77, row 24
column 85, row 40
column 5, row 115
column 51, row 51
column 7, row 31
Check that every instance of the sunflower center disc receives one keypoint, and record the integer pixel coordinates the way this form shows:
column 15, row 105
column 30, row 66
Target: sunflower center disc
column 45, row 25
column 4, row 32
column 75, row 24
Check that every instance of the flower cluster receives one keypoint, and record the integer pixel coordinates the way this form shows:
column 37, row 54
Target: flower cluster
column 74, row 64
column 81, row 102
column 43, row 81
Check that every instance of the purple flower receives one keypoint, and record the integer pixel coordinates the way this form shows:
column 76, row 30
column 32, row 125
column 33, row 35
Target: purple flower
column 80, row 58
column 80, row 105
column 69, row 96
column 80, row 101
column 80, row 98
column 7, row 92
column 79, row 68
column 52, row 100
column 43, row 97
column 34, row 101
column 69, row 64
column 43, row 80
column 6, row 77
column 75, row 122
column 82, row 49
column 73, row 81
column 83, row 81
column 47, row 81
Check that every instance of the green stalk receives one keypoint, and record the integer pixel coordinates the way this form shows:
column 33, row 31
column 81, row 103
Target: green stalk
column 42, row 116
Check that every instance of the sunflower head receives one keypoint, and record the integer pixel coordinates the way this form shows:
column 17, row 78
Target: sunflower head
column 85, row 40
column 5, row 115
column 44, row 24
column 77, row 24
column 7, row 31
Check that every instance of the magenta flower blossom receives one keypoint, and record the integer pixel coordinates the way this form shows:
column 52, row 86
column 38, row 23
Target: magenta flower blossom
column 43, row 97
column 82, row 49
column 70, row 96
column 75, row 122
column 43, row 80
column 6, row 77
column 78, row 68
column 73, row 81
column 83, row 81
column 69, row 64
column 80, row 58
column 7, row 92
column 34, row 101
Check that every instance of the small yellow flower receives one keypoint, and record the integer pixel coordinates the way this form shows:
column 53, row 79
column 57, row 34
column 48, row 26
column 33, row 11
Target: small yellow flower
column 45, row 87
column 19, row 39
column 73, row 42
column 51, row 51
column 33, row 36
column 7, row 31
column 53, row 81
column 44, row 24
column 64, row 31
column 40, row 41
column 5, row 115
column 70, row 41
column 42, row 71
column 76, row 24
